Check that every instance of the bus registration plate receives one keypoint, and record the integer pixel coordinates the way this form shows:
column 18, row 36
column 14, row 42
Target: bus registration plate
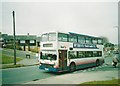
column 46, row 69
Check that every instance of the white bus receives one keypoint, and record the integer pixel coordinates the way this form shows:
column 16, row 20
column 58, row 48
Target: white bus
column 69, row 51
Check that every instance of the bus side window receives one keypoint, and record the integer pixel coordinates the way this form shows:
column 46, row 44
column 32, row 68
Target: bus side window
column 100, row 41
column 88, row 40
column 72, row 54
column 72, row 38
column 94, row 53
column 94, row 41
column 99, row 53
column 90, row 54
column 86, row 54
column 81, row 54
column 81, row 39
column 62, row 37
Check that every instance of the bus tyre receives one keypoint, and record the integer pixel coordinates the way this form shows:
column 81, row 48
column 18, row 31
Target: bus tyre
column 97, row 63
column 72, row 67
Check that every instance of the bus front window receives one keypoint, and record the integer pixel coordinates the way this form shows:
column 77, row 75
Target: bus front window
column 48, row 56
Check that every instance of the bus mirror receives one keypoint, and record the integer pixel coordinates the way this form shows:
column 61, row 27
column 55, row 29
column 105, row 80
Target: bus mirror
column 71, row 48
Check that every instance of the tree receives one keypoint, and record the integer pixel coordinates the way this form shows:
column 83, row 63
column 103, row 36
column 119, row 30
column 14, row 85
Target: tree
column 105, row 40
column 107, row 44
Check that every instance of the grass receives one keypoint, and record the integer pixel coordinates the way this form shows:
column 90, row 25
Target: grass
column 113, row 81
column 8, row 59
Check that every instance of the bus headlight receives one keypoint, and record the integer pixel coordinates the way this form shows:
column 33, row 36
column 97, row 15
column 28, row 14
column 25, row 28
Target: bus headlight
column 55, row 65
column 39, row 62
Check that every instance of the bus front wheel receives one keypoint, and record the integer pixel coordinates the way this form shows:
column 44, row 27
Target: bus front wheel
column 72, row 67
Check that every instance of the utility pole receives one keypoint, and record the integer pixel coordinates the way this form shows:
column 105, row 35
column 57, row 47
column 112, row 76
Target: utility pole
column 14, row 38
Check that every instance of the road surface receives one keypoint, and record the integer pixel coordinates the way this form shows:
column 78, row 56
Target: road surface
column 32, row 73
column 81, row 76
column 22, row 75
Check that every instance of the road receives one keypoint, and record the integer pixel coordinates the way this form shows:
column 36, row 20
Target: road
column 91, row 74
column 22, row 75
column 28, row 74
column 32, row 73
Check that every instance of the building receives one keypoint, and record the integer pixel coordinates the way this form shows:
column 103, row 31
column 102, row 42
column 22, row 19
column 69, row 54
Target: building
column 26, row 42
column 1, row 40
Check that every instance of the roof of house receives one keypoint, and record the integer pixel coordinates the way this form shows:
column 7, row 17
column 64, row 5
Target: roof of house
column 20, row 37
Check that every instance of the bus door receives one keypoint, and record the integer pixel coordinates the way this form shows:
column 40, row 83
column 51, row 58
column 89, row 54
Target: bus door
column 63, row 59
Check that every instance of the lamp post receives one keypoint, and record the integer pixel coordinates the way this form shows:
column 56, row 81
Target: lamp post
column 117, row 27
column 14, row 38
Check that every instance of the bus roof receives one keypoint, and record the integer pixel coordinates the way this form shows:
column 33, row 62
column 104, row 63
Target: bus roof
column 72, row 33
column 83, row 35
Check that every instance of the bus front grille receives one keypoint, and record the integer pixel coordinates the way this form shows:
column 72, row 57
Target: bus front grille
column 47, row 65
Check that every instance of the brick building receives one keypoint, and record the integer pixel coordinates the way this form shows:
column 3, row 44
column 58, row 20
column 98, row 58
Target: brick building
column 26, row 42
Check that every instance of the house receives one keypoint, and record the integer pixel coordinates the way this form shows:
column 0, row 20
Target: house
column 26, row 42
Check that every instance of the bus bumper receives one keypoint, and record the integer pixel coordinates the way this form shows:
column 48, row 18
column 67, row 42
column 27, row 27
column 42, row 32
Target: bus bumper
column 49, row 69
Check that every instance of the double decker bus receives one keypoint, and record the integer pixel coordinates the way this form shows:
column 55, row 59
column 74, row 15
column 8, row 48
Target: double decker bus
column 61, row 51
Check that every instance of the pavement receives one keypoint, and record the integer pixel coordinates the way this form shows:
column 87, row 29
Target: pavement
column 28, row 62
column 77, row 78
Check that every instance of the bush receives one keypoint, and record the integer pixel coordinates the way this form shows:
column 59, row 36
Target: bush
column 10, row 46
column 35, row 50
column 18, row 47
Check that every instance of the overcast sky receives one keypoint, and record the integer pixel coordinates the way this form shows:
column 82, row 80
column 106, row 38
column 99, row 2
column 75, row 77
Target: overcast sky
column 91, row 18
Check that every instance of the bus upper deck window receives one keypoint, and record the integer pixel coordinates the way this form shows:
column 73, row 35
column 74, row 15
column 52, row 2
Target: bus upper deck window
column 100, row 41
column 52, row 36
column 62, row 37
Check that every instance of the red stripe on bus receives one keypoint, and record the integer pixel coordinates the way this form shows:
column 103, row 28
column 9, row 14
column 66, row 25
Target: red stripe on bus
column 78, row 63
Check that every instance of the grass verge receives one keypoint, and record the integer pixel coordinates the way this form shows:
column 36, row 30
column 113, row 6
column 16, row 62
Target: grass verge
column 113, row 81
column 8, row 59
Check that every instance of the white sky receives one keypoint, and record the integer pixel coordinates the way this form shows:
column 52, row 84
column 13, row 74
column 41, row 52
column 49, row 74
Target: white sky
column 91, row 18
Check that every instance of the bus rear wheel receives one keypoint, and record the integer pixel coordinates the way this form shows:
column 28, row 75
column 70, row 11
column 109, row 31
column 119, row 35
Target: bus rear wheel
column 97, row 63
column 72, row 67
